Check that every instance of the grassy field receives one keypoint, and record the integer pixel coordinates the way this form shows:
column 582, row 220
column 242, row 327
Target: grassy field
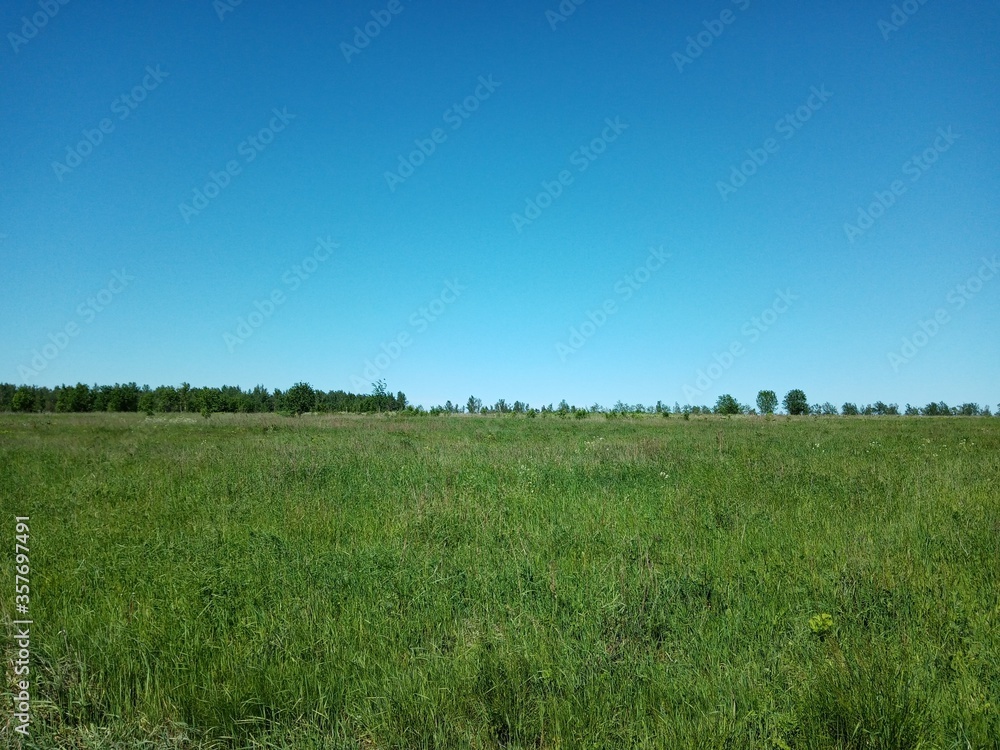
column 490, row 582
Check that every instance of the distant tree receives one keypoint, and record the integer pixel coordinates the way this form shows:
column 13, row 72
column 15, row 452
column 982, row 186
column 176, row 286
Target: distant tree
column 167, row 398
column 912, row 411
column 25, row 399
column 123, row 397
column 767, row 402
column 74, row 398
column 795, row 402
column 936, row 410
column 301, row 398
column 829, row 409
column 473, row 405
column 727, row 405
column 147, row 401
column 7, row 391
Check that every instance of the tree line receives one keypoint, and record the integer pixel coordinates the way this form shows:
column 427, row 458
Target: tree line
column 129, row 397
column 302, row 398
column 794, row 402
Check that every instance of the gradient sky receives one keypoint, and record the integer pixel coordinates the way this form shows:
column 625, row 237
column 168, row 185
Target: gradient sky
column 554, row 83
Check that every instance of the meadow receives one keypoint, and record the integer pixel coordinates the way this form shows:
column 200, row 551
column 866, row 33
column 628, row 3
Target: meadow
column 393, row 581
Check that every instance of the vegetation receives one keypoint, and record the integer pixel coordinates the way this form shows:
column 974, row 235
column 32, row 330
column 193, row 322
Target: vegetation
column 767, row 402
column 302, row 398
column 392, row 581
column 167, row 399
column 727, row 405
column 795, row 402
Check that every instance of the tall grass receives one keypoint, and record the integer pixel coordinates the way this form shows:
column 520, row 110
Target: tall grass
column 489, row 582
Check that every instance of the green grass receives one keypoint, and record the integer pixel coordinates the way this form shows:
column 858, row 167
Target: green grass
column 391, row 582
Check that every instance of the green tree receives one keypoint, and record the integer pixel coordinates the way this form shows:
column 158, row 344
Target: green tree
column 25, row 399
column 300, row 398
column 473, row 405
column 795, row 402
column 767, row 402
column 727, row 405
column 147, row 402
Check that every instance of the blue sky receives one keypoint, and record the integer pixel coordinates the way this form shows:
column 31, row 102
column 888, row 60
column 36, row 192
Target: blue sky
column 819, row 185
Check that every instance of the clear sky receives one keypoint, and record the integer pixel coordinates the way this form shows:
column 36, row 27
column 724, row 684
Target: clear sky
column 520, row 200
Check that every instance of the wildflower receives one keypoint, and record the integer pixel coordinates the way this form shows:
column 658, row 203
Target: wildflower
column 821, row 625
